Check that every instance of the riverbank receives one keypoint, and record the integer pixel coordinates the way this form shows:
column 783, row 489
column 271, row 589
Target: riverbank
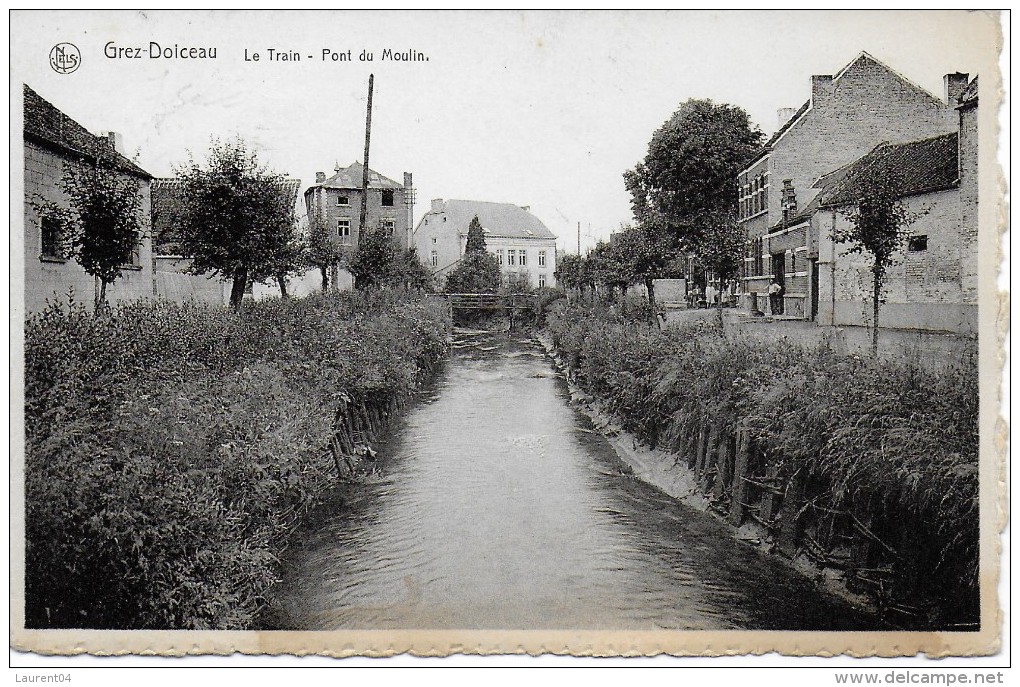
column 839, row 464
column 171, row 450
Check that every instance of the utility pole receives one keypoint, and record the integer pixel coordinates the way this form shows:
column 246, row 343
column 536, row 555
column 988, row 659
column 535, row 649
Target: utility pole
column 364, row 171
column 578, row 238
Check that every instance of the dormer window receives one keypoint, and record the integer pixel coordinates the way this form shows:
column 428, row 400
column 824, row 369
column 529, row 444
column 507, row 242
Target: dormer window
column 387, row 199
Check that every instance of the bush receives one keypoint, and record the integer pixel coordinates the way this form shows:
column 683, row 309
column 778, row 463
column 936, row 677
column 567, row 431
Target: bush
column 899, row 438
column 170, row 450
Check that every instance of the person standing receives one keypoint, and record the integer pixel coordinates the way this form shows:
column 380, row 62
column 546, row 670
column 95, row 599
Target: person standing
column 776, row 297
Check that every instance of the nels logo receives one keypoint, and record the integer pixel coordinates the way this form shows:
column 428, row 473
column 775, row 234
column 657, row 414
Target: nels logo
column 65, row 58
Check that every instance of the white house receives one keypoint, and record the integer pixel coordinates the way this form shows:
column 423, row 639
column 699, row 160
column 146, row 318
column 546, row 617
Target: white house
column 525, row 247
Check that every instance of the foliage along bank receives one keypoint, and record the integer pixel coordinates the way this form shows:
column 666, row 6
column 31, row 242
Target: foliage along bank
column 171, row 449
column 867, row 468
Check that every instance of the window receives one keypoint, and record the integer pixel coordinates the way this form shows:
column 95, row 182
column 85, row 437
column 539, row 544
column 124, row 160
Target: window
column 434, row 256
column 387, row 199
column 541, row 258
column 388, row 224
column 916, row 244
column 343, row 230
column 541, row 280
column 524, row 257
column 435, row 240
column 343, row 201
column 511, row 257
column 499, row 256
column 133, row 258
column 52, row 238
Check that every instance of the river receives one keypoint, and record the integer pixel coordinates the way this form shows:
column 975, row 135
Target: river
column 495, row 506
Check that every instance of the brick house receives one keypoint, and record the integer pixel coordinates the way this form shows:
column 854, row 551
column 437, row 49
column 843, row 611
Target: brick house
column 390, row 207
column 524, row 246
column 52, row 141
column 933, row 283
column 866, row 103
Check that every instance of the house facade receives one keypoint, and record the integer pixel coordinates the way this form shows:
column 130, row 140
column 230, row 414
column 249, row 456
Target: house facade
column 848, row 114
column 523, row 245
column 52, row 141
column 932, row 284
column 338, row 198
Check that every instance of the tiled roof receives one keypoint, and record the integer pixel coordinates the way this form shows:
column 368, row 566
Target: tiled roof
column 504, row 220
column 921, row 166
column 165, row 198
column 48, row 126
column 350, row 178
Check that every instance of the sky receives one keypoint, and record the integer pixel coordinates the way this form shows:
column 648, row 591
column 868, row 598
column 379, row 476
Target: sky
column 545, row 109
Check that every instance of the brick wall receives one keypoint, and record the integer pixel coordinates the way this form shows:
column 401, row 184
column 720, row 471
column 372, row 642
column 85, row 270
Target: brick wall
column 47, row 279
column 326, row 198
column 923, row 290
column 969, row 202
column 867, row 104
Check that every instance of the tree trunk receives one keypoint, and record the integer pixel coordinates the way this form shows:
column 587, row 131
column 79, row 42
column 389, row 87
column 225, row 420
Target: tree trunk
column 237, row 289
column 325, row 278
column 102, row 294
column 874, row 304
column 282, row 281
column 651, row 292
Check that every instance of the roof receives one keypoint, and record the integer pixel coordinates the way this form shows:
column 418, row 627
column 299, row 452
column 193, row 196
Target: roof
column 165, row 199
column 862, row 56
column 504, row 220
column 931, row 164
column 969, row 97
column 46, row 125
column 350, row 178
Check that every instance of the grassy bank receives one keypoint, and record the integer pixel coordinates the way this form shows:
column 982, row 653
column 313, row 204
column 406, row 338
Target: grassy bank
column 866, row 467
column 171, row 449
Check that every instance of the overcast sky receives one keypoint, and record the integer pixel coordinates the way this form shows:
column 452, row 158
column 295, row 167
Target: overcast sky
column 546, row 109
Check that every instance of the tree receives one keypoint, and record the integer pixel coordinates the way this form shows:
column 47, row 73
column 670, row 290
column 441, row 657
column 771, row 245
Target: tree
column 477, row 272
column 103, row 224
column 647, row 252
column 878, row 225
column 475, row 237
column 378, row 262
column 690, row 169
column 607, row 266
column 321, row 250
column 237, row 220
column 570, row 272
column 291, row 259
column 409, row 272
column 371, row 263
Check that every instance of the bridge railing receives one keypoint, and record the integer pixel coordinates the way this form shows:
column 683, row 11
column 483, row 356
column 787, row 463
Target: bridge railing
column 489, row 301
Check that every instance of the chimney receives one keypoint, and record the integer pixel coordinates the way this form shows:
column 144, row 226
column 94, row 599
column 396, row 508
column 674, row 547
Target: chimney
column 116, row 141
column 407, row 180
column 437, row 205
column 821, row 89
column 789, row 200
column 785, row 114
column 953, row 86
column 320, row 177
